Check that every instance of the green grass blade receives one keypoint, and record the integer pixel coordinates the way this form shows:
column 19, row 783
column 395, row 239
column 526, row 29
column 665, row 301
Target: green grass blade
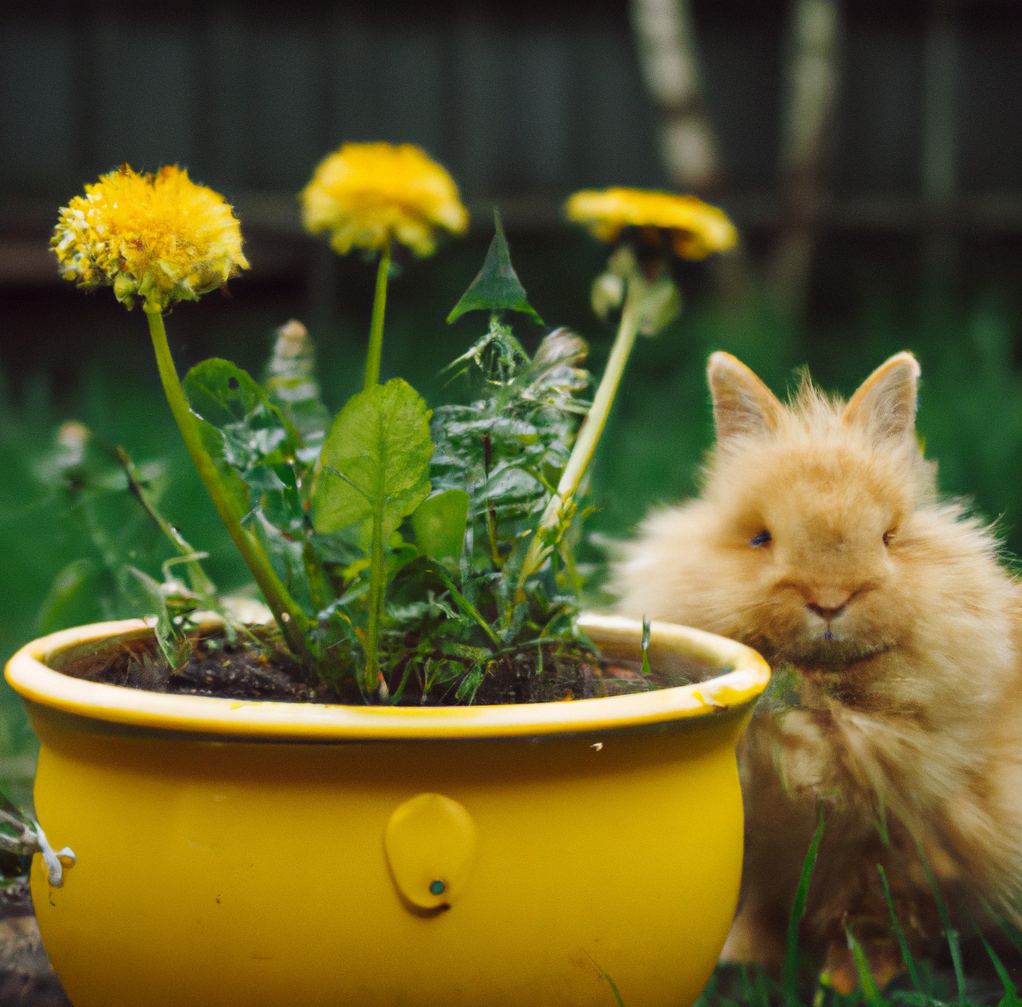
column 870, row 993
column 906, row 954
column 708, row 997
column 614, row 990
column 610, row 982
column 956, row 960
column 949, row 932
column 754, row 988
column 798, row 910
column 646, row 669
column 466, row 606
column 1010, row 998
column 929, row 978
column 744, row 985
column 1010, row 930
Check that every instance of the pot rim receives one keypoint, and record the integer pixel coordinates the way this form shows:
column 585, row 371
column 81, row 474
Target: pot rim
column 27, row 672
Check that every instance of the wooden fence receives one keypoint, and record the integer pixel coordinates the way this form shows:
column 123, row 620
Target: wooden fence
column 918, row 115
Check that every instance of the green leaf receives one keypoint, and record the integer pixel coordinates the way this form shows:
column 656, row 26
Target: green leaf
column 497, row 287
column 140, row 489
column 234, row 485
column 255, row 431
column 250, row 440
column 160, row 598
column 67, row 587
column 375, row 459
column 439, row 524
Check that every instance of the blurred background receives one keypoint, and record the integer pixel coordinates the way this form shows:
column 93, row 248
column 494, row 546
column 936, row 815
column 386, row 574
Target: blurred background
column 870, row 153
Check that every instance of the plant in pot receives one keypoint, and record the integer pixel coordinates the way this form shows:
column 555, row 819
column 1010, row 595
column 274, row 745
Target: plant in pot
column 438, row 782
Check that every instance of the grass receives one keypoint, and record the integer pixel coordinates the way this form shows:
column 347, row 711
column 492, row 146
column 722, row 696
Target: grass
column 802, row 984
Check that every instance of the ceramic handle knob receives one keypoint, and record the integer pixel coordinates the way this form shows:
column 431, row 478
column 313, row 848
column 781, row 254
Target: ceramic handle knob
column 430, row 841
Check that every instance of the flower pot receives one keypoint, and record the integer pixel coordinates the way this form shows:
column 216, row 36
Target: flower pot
column 261, row 853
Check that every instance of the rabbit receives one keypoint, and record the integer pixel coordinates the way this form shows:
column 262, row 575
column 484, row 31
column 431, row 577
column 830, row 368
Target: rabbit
column 895, row 637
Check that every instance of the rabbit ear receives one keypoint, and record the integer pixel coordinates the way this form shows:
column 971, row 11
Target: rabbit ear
column 742, row 404
column 885, row 404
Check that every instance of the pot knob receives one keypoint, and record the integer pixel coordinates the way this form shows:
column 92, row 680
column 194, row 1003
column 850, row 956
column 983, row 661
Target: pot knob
column 430, row 842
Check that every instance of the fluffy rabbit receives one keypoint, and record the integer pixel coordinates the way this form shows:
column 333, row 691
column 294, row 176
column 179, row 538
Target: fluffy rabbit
column 896, row 640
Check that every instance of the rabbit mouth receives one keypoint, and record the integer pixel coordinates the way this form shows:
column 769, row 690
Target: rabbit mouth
column 830, row 654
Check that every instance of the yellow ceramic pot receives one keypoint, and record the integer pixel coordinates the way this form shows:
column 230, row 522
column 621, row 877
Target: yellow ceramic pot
column 235, row 854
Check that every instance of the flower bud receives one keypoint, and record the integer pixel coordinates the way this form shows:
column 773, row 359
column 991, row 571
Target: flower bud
column 660, row 305
column 607, row 293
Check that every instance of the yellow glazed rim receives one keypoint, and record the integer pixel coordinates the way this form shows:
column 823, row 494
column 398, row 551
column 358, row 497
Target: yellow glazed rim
column 28, row 673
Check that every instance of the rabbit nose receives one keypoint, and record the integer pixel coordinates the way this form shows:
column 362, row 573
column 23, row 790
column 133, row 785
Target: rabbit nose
column 827, row 612
column 828, row 602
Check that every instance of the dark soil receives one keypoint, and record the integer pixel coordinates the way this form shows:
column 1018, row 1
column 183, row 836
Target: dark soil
column 26, row 977
column 216, row 668
column 253, row 672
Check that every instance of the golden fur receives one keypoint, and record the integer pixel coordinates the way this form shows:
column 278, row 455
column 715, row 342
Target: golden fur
column 898, row 636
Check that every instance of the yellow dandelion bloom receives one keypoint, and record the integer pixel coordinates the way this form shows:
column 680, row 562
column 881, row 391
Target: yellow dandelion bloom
column 697, row 229
column 158, row 237
column 365, row 194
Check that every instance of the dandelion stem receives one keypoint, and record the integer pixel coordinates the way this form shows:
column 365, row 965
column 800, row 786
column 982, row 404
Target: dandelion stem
column 375, row 350
column 377, row 572
column 562, row 504
column 289, row 616
column 377, row 585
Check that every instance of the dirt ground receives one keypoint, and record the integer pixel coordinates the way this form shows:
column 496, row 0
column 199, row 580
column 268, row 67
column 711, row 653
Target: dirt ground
column 26, row 979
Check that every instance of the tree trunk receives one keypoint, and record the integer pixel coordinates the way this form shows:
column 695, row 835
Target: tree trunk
column 670, row 66
column 811, row 86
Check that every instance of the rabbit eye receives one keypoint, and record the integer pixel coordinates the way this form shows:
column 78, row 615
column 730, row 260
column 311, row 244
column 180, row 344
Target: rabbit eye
column 763, row 538
column 888, row 535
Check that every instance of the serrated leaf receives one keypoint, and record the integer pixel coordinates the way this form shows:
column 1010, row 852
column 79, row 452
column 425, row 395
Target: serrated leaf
column 232, row 482
column 375, row 459
column 256, row 432
column 250, row 440
column 439, row 523
column 556, row 375
column 497, row 287
column 157, row 595
column 290, row 381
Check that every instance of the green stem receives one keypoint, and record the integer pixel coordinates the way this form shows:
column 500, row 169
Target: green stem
column 377, row 572
column 289, row 616
column 199, row 580
column 377, row 584
column 562, row 502
column 375, row 350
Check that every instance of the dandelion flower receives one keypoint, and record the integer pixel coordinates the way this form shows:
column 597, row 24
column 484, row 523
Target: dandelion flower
column 697, row 229
column 366, row 194
column 158, row 237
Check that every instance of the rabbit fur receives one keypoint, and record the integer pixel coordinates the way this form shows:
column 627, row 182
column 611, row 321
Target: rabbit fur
column 895, row 637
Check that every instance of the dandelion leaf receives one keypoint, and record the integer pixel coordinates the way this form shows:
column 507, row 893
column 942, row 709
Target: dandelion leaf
column 440, row 523
column 231, row 400
column 497, row 287
column 291, row 384
column 375, row 460
column 74, row 582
